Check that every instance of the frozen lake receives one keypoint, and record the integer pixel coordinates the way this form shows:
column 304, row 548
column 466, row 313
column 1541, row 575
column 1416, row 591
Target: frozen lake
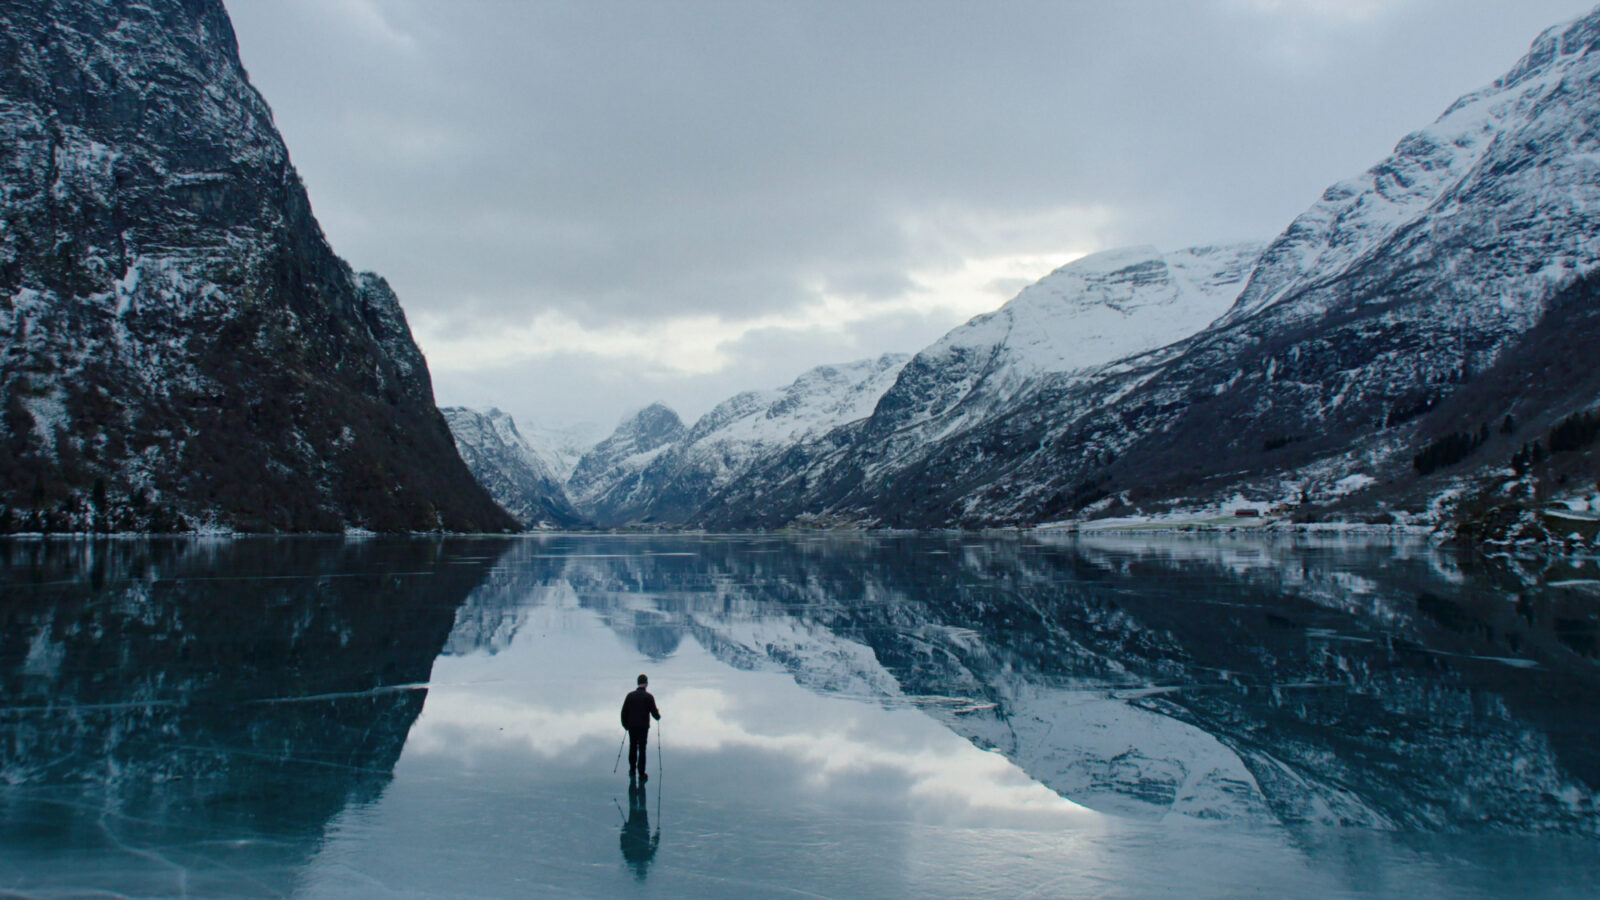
column 842, row 717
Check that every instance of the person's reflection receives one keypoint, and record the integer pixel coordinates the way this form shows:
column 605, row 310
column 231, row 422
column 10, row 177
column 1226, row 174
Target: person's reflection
column 638, row 844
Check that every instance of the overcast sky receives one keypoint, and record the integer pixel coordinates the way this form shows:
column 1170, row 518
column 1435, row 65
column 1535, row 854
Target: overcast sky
column 587, row 206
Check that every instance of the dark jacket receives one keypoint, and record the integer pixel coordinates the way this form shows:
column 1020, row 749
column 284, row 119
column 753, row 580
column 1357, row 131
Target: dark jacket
column 637, row 709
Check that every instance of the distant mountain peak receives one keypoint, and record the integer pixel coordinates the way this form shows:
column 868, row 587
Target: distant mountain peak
column 614, row 464
column 654, row 415
column 509, row 468
column 652, row 470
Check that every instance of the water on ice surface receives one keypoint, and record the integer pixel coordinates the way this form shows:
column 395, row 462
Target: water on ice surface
column 842, row 717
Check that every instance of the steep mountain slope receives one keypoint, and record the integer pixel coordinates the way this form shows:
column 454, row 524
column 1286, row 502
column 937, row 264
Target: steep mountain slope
column 606, row 480
column 178, row 344
column 561, row 449
column 513, row 473
column 1387, row 297
column 731, row 438
column 1083, row 315
column 1087, row 313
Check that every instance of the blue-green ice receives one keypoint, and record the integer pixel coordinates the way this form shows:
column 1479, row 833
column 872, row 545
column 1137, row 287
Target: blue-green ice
column 843, row 716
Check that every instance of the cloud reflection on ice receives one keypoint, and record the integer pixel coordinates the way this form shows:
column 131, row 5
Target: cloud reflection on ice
column 554, row 693
column 1290, row 718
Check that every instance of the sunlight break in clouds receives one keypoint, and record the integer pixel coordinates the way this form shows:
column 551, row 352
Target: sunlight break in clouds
column 972, row 267
column 949, row 778
column 698, row 344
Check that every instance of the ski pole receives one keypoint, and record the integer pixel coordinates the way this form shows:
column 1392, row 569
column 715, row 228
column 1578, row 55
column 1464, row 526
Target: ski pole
column 660, row 773
column 619, row 754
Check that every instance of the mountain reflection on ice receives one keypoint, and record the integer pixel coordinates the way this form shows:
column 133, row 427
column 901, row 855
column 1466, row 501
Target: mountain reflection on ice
column 842, row 716
column 143, row 747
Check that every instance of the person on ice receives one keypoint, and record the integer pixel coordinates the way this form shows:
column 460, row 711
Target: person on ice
column 637, row 708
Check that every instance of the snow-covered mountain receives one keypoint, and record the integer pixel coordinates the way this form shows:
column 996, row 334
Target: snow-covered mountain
column 1503, row 181
column 1420, row 303
column 179, row 346
column 673, row 485
column 1085, row 314
column 668, row 482
column 560, row 449
column 515, row 475
column 608, row 476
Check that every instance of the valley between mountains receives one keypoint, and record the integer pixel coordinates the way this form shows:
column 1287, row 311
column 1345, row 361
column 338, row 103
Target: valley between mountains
column 184, row 351
column 1410, row 351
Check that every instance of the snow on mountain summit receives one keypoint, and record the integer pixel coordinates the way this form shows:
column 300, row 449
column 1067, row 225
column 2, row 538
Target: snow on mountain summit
column 509, row 468
column 1090, row 312
column 818, row 400
column 1120, row 302
column 612, row 467
column 1509, row 170
column 682, row 472
column 1076, row 320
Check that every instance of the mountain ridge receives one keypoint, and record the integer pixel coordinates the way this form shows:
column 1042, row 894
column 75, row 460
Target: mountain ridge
column 182, row 348
column 671, row 480
column 509, row 467
column 1362, row 317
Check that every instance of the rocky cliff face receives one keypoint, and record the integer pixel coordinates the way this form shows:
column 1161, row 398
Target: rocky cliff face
column 1349, row 352
column 606, row 483
column 179, row 347
column 513, row 473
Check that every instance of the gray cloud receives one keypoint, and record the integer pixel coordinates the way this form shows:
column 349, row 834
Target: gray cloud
column 630, row 163
column 569, row 388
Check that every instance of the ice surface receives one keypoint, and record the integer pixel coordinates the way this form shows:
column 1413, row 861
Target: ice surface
column 862, row 717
